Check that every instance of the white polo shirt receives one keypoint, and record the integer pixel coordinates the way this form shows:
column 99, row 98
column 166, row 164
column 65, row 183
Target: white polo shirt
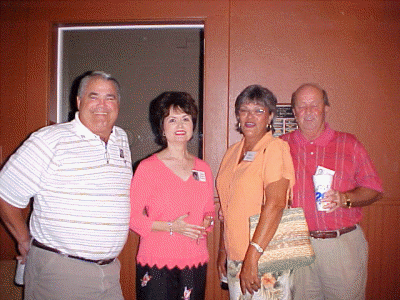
column 80, row 187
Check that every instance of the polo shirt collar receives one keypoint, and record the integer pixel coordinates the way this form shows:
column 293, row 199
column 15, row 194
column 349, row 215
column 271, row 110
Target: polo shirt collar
column 326, row 136
column 85, row 132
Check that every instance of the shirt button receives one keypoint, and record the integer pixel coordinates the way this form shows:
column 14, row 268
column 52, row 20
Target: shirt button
column 312, row 153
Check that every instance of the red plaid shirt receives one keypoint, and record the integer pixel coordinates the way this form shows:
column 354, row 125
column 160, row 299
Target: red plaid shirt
column 340, row 152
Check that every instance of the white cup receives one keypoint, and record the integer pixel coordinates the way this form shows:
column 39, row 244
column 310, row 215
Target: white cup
column 19, row 273
column 322, row 184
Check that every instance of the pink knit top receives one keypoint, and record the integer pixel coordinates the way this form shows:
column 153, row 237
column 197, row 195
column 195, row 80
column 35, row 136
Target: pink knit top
column 157, row 194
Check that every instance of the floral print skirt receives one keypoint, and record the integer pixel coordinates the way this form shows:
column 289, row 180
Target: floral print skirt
column 274, row 286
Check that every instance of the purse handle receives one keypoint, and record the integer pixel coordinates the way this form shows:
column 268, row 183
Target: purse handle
column 289, row 193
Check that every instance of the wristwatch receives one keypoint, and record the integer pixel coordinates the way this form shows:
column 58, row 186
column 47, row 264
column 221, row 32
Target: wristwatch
column 347, row 201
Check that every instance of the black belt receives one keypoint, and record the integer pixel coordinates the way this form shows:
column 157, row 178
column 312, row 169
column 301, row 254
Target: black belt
column 99, row 262
column 331, row 234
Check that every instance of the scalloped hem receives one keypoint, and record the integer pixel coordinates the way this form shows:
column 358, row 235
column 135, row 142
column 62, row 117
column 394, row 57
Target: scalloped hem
column 172, row 264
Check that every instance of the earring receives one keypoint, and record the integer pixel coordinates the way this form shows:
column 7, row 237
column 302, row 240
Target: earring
column 163, row 133
column 269, row 127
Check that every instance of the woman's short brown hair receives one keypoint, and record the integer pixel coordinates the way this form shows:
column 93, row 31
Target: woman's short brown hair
column 160, row 108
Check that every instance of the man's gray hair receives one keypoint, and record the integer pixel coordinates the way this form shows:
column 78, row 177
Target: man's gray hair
column 84, row 82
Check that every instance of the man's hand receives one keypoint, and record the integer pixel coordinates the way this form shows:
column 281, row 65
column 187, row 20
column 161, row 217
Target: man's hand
column 23, row 249
column 332, row 200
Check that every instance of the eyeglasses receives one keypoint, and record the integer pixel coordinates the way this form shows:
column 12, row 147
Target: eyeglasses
column 256, row 112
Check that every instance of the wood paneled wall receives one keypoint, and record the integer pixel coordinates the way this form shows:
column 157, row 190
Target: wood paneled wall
column 351, row 48
column 379, row 224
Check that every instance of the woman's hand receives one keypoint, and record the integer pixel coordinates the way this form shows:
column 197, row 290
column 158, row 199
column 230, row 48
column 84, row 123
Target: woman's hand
column 208, row 221
column 249, row 280
column 192, row 231
column 222, row 256
column 221, row 263
column 220, row 215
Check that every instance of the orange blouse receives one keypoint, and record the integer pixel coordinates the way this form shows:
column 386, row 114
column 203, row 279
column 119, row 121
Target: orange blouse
column 241, row 187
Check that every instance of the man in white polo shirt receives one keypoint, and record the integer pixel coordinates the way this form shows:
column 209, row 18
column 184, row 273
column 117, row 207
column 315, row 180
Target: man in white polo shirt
column 78, row 174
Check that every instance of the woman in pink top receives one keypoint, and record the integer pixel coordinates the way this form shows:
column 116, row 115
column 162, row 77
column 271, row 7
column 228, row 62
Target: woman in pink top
column 255, row 177
column 172, row 207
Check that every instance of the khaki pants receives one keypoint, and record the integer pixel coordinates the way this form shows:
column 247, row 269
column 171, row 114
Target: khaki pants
column 339, row 271
column 50, row 275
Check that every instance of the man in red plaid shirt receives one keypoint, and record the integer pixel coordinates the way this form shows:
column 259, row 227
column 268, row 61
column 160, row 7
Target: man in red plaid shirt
column 340, row 269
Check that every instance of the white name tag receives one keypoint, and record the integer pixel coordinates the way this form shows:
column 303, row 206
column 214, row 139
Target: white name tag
column 249, row 156
column 199, row 175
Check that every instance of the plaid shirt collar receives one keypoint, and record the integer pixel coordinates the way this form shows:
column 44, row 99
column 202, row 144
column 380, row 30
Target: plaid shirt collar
column 327, row 135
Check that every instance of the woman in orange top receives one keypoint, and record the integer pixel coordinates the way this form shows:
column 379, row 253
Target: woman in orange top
column 255, row 177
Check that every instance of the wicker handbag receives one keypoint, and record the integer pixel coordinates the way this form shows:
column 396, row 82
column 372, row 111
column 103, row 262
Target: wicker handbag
column 290, row 248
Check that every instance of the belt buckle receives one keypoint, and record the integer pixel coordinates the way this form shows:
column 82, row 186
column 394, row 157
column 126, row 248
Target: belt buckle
column 323, row 234
column 104, row 261
column 101, row 262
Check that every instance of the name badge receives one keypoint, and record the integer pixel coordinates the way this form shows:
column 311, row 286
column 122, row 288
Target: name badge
column 199, row 175
column 249, row 156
